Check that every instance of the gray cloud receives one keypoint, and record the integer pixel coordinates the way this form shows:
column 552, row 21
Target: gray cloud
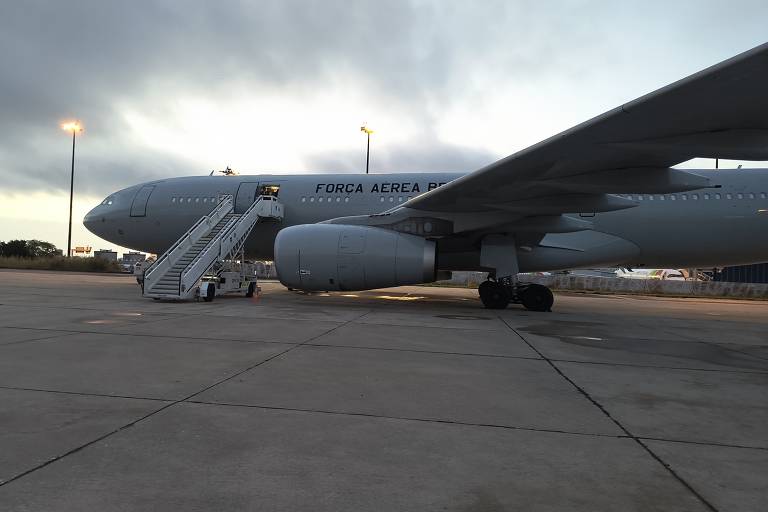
column 417, row 156
column 84, row 58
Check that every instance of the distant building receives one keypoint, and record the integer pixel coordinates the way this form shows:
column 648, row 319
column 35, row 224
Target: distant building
column 133, row 257
column 105, row 254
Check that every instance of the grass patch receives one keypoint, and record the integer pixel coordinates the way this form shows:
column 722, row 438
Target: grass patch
column 73, row 264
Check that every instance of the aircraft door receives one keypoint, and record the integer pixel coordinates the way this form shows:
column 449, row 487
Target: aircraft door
column 139, row 204
column 246, row 195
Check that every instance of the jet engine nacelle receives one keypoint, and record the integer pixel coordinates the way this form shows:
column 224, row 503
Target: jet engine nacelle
column 338, row 257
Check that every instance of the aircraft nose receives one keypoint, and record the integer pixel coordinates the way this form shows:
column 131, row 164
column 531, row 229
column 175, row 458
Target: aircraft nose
column 95, row 221
column 91, row 221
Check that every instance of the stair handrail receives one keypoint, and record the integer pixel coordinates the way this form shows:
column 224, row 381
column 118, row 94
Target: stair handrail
column 235, row 234
column 198, row 229
column 232, row 235
column 213, row 247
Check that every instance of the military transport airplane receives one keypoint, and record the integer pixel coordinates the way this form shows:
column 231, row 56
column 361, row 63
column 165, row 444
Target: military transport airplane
column 603, row 193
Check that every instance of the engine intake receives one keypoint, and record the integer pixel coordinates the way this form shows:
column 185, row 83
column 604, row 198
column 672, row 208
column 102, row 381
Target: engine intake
column 338, row 257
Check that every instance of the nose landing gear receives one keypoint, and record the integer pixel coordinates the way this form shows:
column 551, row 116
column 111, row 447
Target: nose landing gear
column 497, row 295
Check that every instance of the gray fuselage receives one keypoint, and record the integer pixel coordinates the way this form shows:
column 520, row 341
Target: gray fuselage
column 726, row 224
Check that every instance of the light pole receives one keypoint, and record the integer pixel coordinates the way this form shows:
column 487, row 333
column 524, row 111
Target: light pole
column 368, row 132
column 74, row 127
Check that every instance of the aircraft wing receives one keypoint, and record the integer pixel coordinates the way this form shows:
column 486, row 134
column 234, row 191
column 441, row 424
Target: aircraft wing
column 721, row 112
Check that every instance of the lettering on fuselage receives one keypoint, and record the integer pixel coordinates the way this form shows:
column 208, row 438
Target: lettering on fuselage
column 404, row 187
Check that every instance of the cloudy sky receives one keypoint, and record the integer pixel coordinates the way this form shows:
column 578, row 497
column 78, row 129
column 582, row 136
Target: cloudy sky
column 172, row 88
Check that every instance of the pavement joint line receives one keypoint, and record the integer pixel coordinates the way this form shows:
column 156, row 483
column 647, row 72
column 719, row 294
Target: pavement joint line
column 742, row 352
column 66, row 332
column 624, row 429
column 60, row 335
column 680, row 368
column 451, row 328
column 704, row 443
column 173, row 314
column 418, row 351
column 382, row 416
column 163, row 408
column 85, row 393
column 537, row 358
column 407, row 418
column 197, row 339
column 642, row 338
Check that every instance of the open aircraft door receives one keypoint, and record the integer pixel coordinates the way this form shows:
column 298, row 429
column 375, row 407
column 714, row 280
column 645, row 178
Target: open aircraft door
column 246, row 195
column 139, row 204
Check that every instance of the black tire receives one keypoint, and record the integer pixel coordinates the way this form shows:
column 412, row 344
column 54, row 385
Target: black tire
column 536, row 297
column 251, row 289
column 210, row 292
column 493, row 295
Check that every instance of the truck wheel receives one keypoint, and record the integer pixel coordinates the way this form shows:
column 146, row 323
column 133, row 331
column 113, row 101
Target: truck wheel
column 251, row 289
column 210, row 292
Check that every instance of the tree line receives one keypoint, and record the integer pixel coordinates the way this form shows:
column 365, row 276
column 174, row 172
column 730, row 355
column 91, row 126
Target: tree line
column 28, row 249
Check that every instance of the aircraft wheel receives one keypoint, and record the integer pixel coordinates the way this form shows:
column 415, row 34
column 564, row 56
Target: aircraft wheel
column 536, row 297
column 493, row 295
column 210, row 292
column 251, row 289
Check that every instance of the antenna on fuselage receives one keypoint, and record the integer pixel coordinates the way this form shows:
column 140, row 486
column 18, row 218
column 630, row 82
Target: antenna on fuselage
column 226, row 172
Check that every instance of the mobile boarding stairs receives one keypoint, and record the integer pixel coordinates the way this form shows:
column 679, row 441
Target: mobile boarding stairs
column 202, row 260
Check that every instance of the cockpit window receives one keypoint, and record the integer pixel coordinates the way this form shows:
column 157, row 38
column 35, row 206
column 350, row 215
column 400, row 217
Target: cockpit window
column 108, row 201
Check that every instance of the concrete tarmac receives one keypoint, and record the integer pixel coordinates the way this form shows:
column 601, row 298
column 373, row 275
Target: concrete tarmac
column 410, row 398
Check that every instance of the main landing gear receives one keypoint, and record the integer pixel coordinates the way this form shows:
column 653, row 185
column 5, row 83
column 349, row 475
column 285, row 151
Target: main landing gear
column 497, row 295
